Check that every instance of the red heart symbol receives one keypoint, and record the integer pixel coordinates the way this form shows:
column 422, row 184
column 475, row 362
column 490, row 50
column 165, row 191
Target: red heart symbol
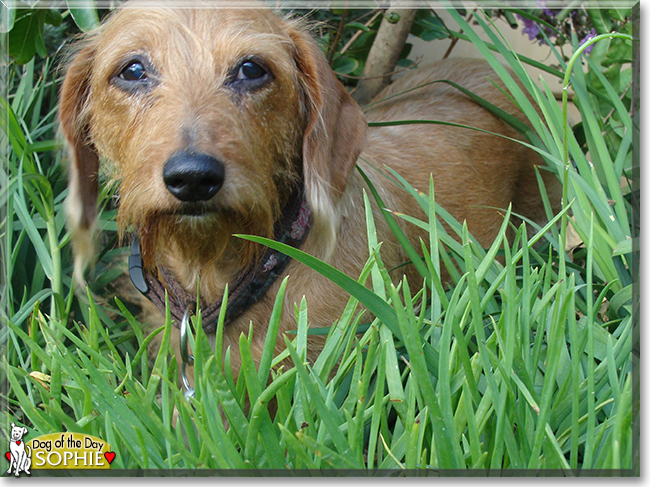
column 18, row 442
column 8, row 455
column 109, row 456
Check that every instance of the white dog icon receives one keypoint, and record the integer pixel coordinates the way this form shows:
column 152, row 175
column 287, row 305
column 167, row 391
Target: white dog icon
column 20, row 454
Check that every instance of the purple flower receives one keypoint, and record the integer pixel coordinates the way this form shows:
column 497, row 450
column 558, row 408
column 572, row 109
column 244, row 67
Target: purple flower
column 542, row 4
column 591, row 35
column 530, row 28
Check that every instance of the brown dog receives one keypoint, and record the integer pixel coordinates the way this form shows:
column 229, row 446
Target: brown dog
column 217, row 122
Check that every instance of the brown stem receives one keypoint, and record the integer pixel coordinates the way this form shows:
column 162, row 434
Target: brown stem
column 454, row 40
column 358, row 33
column 338, row 36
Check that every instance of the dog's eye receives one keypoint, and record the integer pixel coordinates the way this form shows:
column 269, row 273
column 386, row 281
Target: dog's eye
column 250, row 71
column 134, row 72
column 249, row 76
column 136, row 76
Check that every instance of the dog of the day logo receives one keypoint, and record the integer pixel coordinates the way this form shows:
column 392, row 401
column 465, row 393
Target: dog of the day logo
column 19, row 454
column 57, row 451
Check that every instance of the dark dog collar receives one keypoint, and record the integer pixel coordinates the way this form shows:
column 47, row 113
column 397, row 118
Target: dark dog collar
column 245, row 291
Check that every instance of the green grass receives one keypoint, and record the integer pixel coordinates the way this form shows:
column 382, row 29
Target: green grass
column 524, row 365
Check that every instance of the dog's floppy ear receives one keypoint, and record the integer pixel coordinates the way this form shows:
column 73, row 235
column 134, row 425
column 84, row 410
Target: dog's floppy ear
column 333, row 138
column 83, row 186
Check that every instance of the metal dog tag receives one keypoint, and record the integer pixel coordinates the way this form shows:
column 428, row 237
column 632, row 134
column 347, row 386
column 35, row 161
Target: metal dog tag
column 186, row 358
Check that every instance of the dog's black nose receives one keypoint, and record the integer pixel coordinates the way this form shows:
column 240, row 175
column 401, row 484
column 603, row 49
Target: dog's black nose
column 193, row 177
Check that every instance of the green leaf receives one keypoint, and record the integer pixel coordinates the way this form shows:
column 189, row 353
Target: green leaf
column 332, row 418
column 621, row 299
column 447, row 449
column 357, row 26
column 45, row 259
column 345, row 65
column 26, row 37
column 53, row 17
column 416, row 260
column 84, row 14
column 7, row 17
column 623, row 247
column 429, row 28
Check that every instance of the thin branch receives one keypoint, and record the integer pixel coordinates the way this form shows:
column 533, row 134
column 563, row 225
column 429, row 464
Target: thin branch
column 338, row 36
column 454, row 40
column 358, row 33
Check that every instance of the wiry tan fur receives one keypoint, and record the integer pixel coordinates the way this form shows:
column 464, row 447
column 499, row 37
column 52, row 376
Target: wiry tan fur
column 302, row 126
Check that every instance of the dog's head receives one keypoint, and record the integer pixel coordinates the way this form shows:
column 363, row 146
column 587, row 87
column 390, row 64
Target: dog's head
column 206, row 119
column 17, row 432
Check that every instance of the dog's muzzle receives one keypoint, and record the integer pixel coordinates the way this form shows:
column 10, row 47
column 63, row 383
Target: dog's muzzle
column 193, row 177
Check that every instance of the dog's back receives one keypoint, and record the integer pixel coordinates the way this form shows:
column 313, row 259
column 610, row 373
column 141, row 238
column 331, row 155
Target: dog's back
column 474, row 172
